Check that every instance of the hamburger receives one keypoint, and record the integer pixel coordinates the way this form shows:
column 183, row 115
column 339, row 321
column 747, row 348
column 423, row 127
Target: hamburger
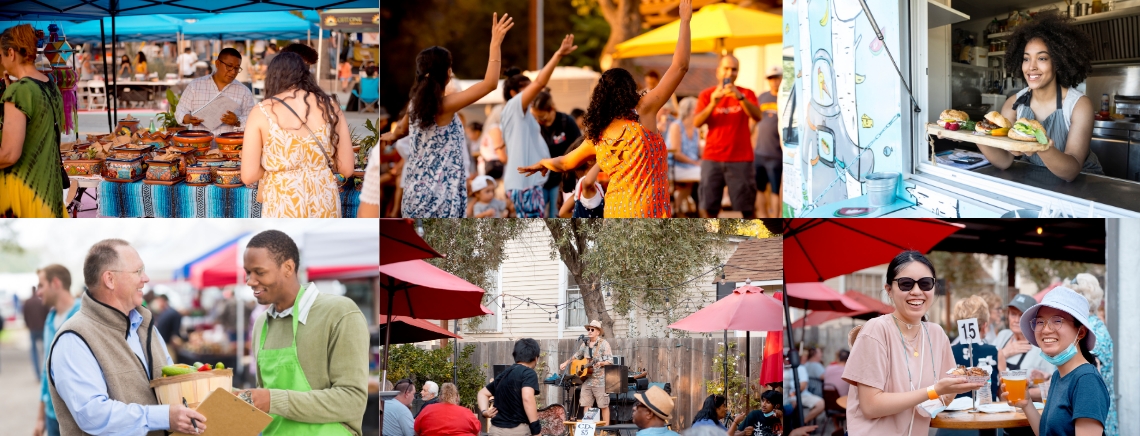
column 951, row 119
column 993, row 124
column 1029, row 131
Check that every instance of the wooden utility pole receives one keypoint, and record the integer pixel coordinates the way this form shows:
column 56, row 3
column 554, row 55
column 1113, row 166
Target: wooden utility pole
column 535, row 31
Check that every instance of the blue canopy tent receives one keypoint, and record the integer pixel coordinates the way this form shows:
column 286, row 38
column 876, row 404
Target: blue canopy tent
column 146, row 28
column 77, row 10
column 260, row 25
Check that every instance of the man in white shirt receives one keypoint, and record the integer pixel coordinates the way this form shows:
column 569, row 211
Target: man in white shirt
column 186, row 62
column 202, row 91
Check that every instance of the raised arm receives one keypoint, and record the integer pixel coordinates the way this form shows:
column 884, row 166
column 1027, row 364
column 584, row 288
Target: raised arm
column 562, row 163
column 651, row 102
column 454, row 102
column 527, row 95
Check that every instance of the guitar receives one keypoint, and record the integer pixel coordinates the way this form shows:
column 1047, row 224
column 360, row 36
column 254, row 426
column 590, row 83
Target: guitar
column 581, row 368
column 637, row 374
column 552, row 418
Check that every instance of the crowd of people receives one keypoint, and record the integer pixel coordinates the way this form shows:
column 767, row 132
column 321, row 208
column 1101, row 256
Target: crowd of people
column 297, row 149
column 899, row 361
column 634, row 151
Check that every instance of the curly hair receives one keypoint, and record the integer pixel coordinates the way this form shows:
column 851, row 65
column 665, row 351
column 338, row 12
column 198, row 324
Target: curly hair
column 1070, row 48
column 972, row 307
column 427, row 93
column 615, row 96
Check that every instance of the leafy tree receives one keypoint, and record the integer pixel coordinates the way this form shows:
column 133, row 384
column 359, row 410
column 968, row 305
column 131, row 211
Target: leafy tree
column 654, row 254
column 1044, row 272
column 736, row 381
column 961, row 270
column 474, row 248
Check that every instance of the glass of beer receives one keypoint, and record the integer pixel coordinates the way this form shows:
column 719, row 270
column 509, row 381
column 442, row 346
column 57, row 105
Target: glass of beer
column 1014, row 384
column 1044, row 391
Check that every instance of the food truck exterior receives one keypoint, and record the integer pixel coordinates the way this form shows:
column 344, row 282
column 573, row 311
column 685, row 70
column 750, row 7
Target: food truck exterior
column 849, row 115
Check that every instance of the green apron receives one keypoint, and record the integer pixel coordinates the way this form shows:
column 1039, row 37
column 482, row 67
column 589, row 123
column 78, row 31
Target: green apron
column 280, row 369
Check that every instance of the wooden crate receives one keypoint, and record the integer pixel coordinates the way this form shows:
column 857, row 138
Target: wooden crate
column 194, row 387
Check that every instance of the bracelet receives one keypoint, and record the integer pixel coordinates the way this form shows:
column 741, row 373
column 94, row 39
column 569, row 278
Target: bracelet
column 495, row 61
column 931, row 393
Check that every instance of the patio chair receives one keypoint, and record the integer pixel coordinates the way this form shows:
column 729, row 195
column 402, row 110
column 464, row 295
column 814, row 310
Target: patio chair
column 96, row 94
column 836, row 414
column 369, row 94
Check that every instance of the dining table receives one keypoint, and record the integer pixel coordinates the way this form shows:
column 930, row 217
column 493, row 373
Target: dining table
column 987, row 424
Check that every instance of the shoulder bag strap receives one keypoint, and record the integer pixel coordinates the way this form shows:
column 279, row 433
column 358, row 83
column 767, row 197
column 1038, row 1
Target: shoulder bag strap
column 320, row 144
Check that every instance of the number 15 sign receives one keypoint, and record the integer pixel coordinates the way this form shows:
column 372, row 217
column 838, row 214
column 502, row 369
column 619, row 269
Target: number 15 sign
column 968, row 332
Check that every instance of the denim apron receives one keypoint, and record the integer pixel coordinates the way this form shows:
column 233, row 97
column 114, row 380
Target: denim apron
column 1056, row 129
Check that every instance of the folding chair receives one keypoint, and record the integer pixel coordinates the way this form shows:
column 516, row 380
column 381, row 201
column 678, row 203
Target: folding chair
column 838, row 415
column 369, row 93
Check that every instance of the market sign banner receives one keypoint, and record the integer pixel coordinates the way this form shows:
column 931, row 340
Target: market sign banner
column 360, row 22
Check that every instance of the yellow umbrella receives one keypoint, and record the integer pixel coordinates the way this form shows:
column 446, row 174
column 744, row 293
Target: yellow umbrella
column 714, row 27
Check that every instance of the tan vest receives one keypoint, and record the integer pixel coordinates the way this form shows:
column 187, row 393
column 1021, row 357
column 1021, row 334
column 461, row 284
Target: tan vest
column 105, row 331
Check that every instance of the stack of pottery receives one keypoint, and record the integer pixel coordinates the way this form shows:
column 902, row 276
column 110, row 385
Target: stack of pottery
column 187, row 153
column 199, row 139
column 82, row 166
column 127, row 126
column 161, row 172
column 199, row 175
column 228, row 175
column 230, row 144
column 129, row 151
column 124, row 170
column 155, row 139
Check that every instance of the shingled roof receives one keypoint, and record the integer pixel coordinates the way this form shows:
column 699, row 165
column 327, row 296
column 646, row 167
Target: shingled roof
column 756, row 254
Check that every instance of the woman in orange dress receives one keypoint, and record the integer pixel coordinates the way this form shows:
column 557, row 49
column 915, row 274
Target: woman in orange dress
column 621, row 130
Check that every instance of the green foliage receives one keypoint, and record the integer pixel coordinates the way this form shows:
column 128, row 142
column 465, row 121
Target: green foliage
column 736, row 382
column 961, row 270
column 419, row 365
column 474, row 249
column 1044, row 272
column 167, row 118
column 365, row 142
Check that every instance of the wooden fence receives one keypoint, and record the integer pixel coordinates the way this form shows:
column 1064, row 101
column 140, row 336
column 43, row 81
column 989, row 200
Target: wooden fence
column 684, row 363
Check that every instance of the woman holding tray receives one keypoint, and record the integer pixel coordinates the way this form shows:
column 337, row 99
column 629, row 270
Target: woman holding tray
column 1053, row 57
column 899, row 361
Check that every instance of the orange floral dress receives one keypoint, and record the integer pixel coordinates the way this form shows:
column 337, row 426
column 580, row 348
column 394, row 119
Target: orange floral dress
column 634, row 159
column 297, row 181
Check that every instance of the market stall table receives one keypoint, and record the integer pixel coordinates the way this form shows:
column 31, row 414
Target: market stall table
column 988, row 423
column 139, row 200
column 841, row 401
column 84, row 183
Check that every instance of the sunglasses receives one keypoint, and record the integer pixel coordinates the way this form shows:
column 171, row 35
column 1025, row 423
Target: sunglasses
column 907, row 283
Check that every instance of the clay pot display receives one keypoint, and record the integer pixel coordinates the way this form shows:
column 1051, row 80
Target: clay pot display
column 199, row 175
column 165, row 171
column 230, row 142
column 174, row 129
column 188, row 157
column 124, row 169
column 199, row 139
column 131, row 126
column 358, row 179
column 83, row 167
column 130, row 151
column 228, row 177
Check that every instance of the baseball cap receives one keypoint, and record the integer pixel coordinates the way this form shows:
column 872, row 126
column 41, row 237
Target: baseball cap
column 1022, row 302
column 482, row 182
column 1065, row 300
column 776, row 71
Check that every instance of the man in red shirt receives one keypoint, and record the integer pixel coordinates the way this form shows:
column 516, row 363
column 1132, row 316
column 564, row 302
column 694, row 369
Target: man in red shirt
column 727, row 159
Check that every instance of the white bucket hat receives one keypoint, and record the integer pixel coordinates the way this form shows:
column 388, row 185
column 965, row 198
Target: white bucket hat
column 1065, row 300
column 482, row 182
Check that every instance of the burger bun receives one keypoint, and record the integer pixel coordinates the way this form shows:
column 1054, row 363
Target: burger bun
column 997, row 118
column 951, row 114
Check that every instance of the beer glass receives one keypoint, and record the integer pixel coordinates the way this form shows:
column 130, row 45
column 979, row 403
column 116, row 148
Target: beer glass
column 1014, row 384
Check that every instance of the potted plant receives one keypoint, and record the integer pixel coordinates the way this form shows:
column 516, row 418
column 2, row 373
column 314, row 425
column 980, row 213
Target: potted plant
column 169, row 123
column 363, row 146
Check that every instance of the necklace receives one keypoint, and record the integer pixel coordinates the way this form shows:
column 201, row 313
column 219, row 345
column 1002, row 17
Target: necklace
column 908, row 326
column 907, row 345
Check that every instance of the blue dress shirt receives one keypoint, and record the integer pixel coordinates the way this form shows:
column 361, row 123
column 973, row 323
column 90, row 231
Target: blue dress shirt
column 86, row 396
column 49, row 336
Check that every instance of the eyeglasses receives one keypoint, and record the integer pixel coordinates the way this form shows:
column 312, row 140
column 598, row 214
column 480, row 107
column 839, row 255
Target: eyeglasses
column 1054, row 324
column 140, row 272
column 907, row 283
column 238, row 69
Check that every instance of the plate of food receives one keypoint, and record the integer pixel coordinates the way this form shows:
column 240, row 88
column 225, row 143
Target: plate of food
column 995, row 130
column 972, row 374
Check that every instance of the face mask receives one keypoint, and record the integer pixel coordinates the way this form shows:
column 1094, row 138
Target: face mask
column 770, row 414
column 1060, row 359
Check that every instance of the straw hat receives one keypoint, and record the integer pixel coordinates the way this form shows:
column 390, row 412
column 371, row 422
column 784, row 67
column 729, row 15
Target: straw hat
column 657, row 401
column 595, row 324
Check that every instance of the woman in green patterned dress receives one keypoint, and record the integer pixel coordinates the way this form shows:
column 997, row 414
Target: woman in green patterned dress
column 31, row 175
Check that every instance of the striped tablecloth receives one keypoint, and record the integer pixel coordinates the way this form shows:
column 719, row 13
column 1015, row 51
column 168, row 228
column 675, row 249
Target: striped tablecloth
column 138, row 200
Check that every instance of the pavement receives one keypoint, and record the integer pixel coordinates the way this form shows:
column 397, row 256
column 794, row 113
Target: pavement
column 19, row 395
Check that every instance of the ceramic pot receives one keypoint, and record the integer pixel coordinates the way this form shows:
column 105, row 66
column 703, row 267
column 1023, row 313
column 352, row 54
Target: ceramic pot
column 174, row 129
column 358, row 179
column 188, row 157
column 163, row 171
column 230, row 141
column 228, row 176
column 130, row 151
column 199, row 139
column 132, row 126
column 83, row 167
column 124, row 169
column 199, row 175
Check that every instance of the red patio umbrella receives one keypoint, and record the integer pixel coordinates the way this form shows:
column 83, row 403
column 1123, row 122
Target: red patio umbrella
column 746, row 309
column 818, row 249
column 772, row 368
column 817, row 317
column 417, row 289
column 400, row 242
column 876, row 307
column 818, row 296
column 407, row 330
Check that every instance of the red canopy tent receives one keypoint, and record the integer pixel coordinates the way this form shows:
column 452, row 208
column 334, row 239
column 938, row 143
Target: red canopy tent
column 400, row 242
column 407, row 330
column 220, row 269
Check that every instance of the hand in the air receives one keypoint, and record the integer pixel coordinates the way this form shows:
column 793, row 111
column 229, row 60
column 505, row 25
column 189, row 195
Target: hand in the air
column 567, row 46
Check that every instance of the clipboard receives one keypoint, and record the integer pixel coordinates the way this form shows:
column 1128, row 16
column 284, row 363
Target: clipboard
column 228, row 415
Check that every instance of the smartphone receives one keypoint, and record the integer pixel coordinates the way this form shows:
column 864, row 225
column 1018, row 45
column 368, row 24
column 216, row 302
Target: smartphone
column 725, row 82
